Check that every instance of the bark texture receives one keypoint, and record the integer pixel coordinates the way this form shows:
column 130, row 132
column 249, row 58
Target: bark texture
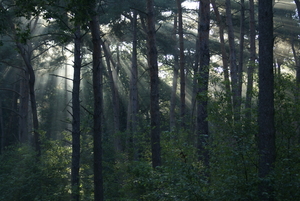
column 154, row 81
column 266, row 135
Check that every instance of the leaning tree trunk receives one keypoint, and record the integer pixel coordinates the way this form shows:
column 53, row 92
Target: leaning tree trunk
column 154, row 80
column 26, row 55
column 266, row 127
column 224, row 55
column 202, row 113
column 98, row 108
column 115, row 95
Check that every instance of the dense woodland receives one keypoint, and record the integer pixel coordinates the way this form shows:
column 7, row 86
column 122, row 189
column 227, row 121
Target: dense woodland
column 149, row 100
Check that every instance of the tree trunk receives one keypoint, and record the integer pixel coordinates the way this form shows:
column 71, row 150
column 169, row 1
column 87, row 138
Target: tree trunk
column 175, row 78
column 249, row 93
column 25, row 51
column 233, row 66
column 2, row 135
column 115, row 99
column 23, row 108
column 154, row 80
column 98, row 108
column 224, row 55
column 182, row 63
column 266, row 135
column 133, row 87
column 202, row 113
column 241, row 57
column 76, row 117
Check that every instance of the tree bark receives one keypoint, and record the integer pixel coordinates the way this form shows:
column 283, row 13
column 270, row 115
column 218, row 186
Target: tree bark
column 98, row 108
column 181, row 64
column 115, row 95
column 76, row 117
column 202, row 113
column 2, row 135
column 241, row 56
column 24, row 106
column 249, row 93
column 175, row 78
column 224, row 55
column 266, row 135
column 26, row 51
column 233, row 66
column 154, row 81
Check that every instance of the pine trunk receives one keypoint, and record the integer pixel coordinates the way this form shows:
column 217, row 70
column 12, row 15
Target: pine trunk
column 266, row 135
column 76, row 117
column 154, row 80
column 249, row 93
column 98, row 108
column 181, row 64
column 202, row 113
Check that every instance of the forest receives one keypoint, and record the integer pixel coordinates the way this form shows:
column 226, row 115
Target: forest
column 142, row 100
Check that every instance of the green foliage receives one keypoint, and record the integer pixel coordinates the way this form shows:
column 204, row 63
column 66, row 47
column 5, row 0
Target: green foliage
column 22, row 177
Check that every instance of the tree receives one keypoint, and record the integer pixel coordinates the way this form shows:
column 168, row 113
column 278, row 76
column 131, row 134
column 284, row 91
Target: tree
column 76, row 116
column 266, row 132
column 233, row 66
column 181, row 64
column 154, row 80
column 202, row 110
column 252, row 60
column 98, row 105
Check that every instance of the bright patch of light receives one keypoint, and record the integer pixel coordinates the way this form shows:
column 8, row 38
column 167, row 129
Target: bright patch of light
column 190, row 5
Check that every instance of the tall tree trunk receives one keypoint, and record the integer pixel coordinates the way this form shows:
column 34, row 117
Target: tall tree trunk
column 115, row 95
column 249, row 93
column 76, row 117
column 154, row 81
column 2, row 135
column 233, row 66
column 134, row 88
column 202, row 113
column 175, row 77
column 23, row 107
column 224, row 55
column 26, row 51
column 182, row 64
column 241, row 56
column 98, row 108
column 266, row 135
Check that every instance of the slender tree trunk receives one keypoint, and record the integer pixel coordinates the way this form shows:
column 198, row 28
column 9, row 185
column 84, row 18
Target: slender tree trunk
column 241, row 57
column 115, row 99
column 175, row 78
column 76, row 117
column 154, row 81
column 224, row 55
column 202, row 113
column 133, row 87
column 266, row 135
column 182, row 64
column 98, row 108
column 233, row 66
column 195, row 78
column 25, row 51
column 2, row 135
column 249, row 93
column 23, row 107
